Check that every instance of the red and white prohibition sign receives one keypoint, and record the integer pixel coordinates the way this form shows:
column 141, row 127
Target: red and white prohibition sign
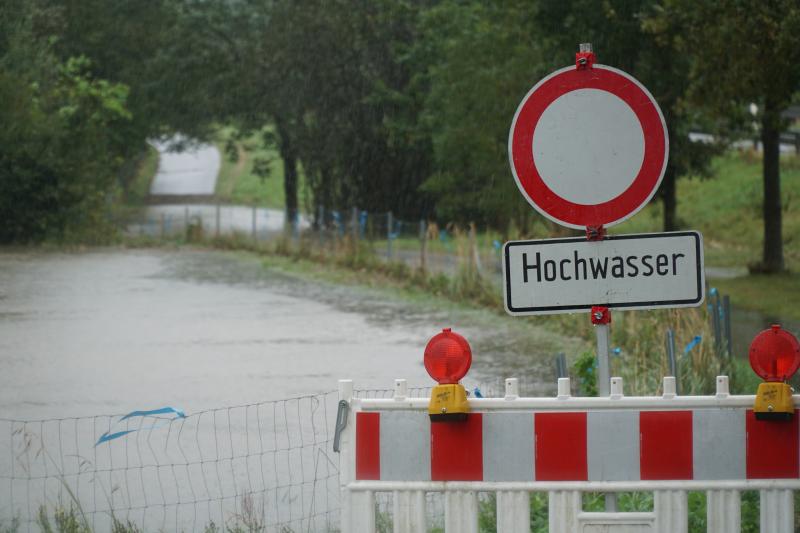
column 588, row 147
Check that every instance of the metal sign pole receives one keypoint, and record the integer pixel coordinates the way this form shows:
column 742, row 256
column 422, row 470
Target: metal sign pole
column 601, row 318
column 602, row 333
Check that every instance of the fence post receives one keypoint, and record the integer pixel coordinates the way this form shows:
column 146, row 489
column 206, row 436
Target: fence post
column 715, row 321
column 186, row 219
column 513, row 512
column 354, row 228
column 163, row 225
column 673, row 362
column 723, row 510
column 461, row 511
column 563, row 509
column 672, row 511
column 726, row 309
column 216, row 224
column 423, row 239
column 561, row 365
column 473, row 240
column 321, row 225
column 253, row 224
column 389, row 227
column 777, row 511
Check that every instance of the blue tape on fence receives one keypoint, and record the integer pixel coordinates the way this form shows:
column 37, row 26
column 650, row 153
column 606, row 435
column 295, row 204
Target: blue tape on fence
column 497, row 245
column 108, row 435
column 162, row 411
column 694, row 342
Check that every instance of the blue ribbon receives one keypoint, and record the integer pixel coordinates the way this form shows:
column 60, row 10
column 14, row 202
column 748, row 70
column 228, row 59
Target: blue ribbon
column 108, row 435
column 694, row 342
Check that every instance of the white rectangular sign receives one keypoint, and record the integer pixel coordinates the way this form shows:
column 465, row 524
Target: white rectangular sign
column 644, row 271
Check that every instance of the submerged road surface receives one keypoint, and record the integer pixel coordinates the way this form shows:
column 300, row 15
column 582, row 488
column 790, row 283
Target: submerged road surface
column 215, row 335
column 108, row 332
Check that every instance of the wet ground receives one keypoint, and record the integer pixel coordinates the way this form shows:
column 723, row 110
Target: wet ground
column 106, row 332
column 192, row 171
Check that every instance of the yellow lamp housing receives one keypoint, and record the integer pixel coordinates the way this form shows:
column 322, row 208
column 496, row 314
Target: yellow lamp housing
column 774, row 401
column 448, row 403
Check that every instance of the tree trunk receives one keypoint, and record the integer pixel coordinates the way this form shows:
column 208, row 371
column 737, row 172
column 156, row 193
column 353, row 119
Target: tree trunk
column 289, row 157
column 773, row 239
column 668, row 199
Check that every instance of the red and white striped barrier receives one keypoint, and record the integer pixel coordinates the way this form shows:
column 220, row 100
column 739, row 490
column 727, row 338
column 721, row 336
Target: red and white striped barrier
column 611, row 445
column 566, row 445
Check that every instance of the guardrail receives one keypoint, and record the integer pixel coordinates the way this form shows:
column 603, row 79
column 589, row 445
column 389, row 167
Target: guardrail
column 566, row 446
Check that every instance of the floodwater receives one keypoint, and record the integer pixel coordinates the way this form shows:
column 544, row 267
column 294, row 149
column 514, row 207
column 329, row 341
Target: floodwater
column 111, row 331
column 250, row 355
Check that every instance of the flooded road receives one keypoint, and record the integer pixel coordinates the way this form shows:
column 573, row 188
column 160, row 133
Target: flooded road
column 107, row 332
column 251, row 355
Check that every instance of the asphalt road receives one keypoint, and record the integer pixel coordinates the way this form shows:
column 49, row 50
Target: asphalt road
column 192, row 172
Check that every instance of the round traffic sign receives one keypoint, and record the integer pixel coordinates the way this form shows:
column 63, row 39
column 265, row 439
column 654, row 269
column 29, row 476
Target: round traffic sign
column 588, row 147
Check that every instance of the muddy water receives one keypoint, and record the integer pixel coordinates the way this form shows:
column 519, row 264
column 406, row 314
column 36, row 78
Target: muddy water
column 111, row 331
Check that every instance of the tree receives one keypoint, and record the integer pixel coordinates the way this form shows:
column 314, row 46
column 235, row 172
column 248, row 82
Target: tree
column 744, row 52
column 477, row 60
column 626, row 35
column 59, row 145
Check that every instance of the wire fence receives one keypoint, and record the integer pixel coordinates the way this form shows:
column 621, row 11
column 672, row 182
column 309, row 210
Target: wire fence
column 260, row 467
column 265, row 467
column 421, row 243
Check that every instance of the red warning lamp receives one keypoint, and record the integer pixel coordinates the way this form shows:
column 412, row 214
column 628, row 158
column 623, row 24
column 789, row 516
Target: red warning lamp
column 447, row 360
column 775, row 357
column 775, row 354
column 448, row 357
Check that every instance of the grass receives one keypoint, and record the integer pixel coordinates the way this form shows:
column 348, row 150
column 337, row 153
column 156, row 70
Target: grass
column 726, row 210
column 775, row 296
column 251, row 172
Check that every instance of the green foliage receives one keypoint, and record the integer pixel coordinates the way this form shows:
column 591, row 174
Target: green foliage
column 58, row 150
column 481, row 60
column 742, row 53
column 585, row 368
column 66, row 521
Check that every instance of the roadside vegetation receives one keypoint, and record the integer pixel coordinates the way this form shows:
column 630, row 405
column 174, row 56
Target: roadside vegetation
column 252, row 171
column 725, row 207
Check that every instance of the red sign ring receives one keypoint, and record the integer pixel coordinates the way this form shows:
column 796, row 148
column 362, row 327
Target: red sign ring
column 528, row 177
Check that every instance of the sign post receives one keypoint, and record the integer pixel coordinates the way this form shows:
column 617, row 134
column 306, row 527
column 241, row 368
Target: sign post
column 588, row 148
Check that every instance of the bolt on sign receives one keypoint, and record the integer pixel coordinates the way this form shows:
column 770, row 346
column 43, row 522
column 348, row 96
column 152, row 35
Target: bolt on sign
column 588, row 148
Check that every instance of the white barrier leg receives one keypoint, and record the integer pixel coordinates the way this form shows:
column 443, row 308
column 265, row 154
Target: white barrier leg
column 723, row 511
column 513, row 512
column 777, row 511
column 359, row 511
column 409, row 512
column 563, row 510
column 461, row 511
column 672, row 511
